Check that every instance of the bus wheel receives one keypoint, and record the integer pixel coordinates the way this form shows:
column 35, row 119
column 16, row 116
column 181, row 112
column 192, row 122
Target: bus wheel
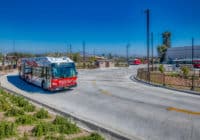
column 27, row 78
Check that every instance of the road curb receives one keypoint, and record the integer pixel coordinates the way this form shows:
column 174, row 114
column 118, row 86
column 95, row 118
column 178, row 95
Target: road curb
column 91, row 126
column 161, row 86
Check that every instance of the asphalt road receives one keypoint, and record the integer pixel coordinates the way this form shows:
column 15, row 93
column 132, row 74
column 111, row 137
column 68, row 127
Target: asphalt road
column 109, row 98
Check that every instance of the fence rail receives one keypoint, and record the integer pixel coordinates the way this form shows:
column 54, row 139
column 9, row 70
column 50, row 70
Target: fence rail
column 171, row 79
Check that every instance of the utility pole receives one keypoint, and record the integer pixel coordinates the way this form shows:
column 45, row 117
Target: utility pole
column 152, row 49
column 148, row 37
column 84, row 54
column 192, row 88
column 12, row 58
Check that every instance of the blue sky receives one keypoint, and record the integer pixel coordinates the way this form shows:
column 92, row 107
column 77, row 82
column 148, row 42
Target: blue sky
column 105, row 25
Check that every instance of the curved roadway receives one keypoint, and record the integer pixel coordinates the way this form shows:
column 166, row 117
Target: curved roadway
column 108, row 97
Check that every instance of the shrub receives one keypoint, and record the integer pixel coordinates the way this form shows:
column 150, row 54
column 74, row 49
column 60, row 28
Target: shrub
column 42, row 114
column 2, row 92
column 25, row 119
column 25, row 137
column 65, row 126
column 38, row 130
column 19, row 101
column 60, row 125
column 185, row 71
column 14, row 112
column 68, row 129
column 4, row 106
column 29, row 108
column 43, row 129
column 60, row 120
column 7, row 129
column 161, row 69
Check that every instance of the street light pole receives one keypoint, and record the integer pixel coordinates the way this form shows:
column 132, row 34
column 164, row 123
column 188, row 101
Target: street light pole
column 84, row 54
column 127, row 52
column 148, row 37
column 152, row 49
column 70, row 50
column 192, row 64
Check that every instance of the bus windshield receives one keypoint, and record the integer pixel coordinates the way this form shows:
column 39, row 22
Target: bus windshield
column 63, row 70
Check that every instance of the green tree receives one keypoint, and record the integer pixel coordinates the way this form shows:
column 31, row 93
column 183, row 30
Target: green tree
column 162, row 49
column 162, row 52
column 166, row 36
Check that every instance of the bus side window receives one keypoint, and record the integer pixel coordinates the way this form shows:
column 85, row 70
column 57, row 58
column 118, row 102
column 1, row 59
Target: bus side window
column 48, row 72
column 43, row 74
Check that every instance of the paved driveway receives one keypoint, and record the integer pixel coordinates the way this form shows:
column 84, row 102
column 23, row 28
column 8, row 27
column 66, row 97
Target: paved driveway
column 108, row 97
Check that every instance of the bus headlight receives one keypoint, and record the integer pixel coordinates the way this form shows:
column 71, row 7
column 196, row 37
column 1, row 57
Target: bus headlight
column 54, row 84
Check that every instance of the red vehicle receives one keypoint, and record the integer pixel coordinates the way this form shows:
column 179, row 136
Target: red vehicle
column 137, row 62
column 50, row 73
column 187, row 62
column 196, row 63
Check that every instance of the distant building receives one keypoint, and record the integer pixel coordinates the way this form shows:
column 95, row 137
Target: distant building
column 105, row 63
column 182, row 52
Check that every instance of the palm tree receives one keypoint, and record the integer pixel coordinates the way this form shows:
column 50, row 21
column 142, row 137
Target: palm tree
column 162, row 49
column 162, row 52
column 166, row 36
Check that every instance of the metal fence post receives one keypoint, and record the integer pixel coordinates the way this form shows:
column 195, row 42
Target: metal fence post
column 163, row 79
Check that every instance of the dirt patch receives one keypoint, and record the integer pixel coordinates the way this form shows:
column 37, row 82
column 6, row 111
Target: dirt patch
column 25, row 129
column 31, row 113
column 81, row 134
column 10, row 119
column 1, row 115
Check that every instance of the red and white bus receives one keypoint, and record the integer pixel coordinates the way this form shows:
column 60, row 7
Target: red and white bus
column 50, row 73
